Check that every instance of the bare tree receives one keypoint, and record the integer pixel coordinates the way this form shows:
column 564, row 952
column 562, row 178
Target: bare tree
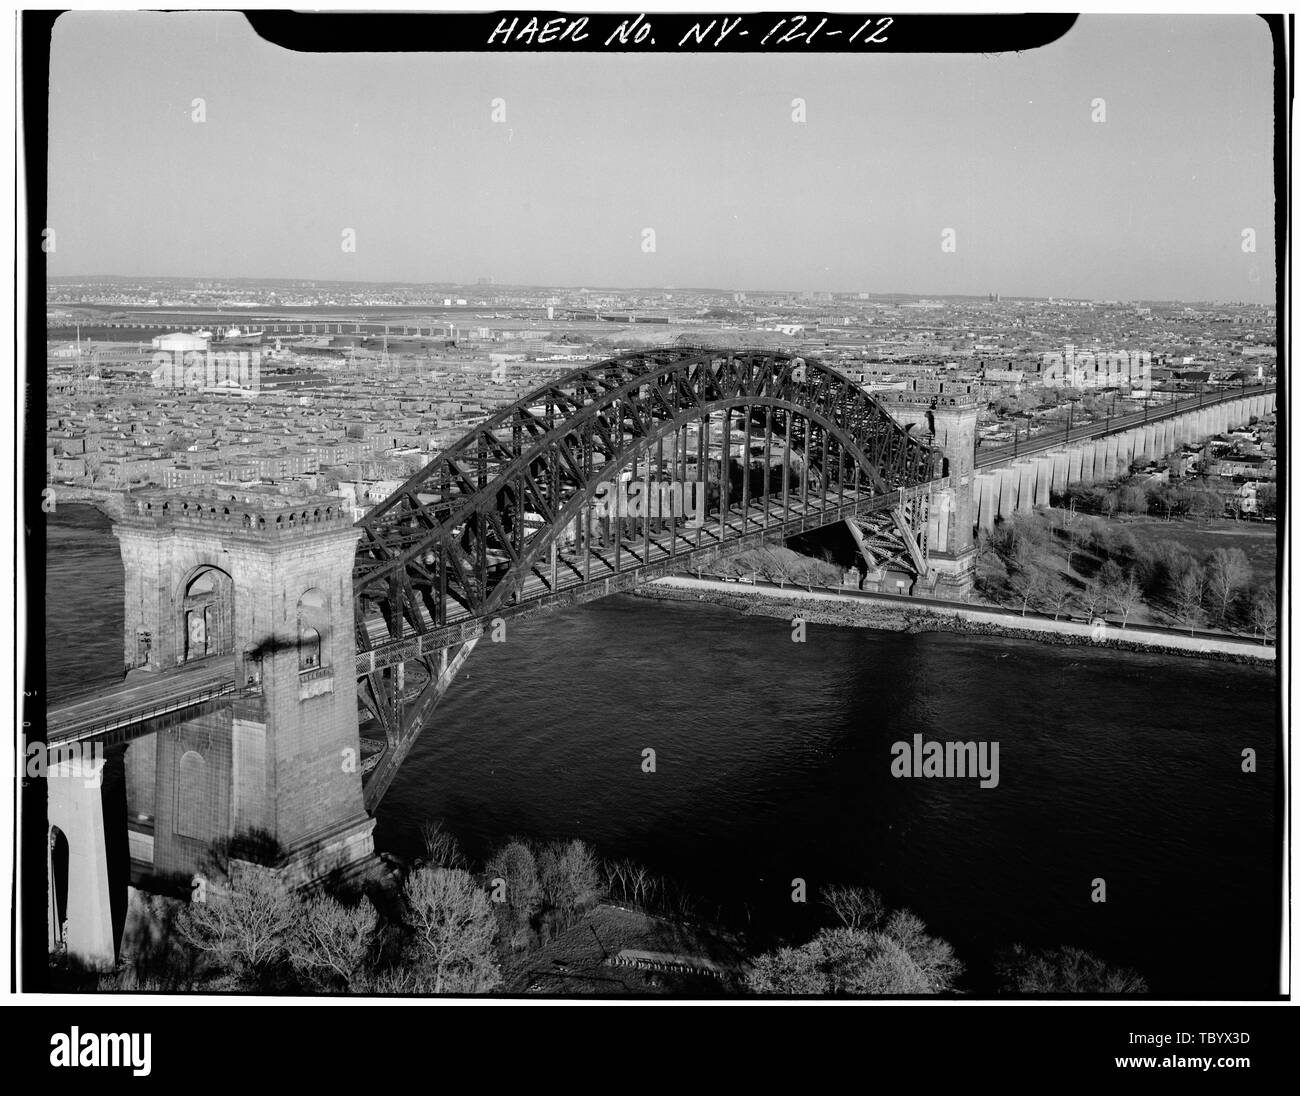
column 934, row 957
column 779, row 566
column 1227, row 570
column 397, row 981
column 454, row 929
column 1110, row 575
column 1093, row 599
column 1071, row 526
column 1030, row 578
column 441, row 848
column 1058, row 593
column 1189, row 596
column 93, row 463
column 986, row 548
column 616, row 878
column 569, row 875
column 1126, row 597
column 1263, row 611
column 515, row 865
column 329, row 942
column 652, row 889
column 245, row 931
column 640, row 882
column 855, row 907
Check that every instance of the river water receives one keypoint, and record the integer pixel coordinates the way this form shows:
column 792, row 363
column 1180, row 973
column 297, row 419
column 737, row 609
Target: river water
column 773, row 763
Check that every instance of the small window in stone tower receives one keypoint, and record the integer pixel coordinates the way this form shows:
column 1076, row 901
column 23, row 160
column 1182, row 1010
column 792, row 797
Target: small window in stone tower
column 308, row 649
column 313, row 624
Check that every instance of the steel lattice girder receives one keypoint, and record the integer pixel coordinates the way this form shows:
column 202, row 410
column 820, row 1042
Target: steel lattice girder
column 511, row 483
column 882, row 534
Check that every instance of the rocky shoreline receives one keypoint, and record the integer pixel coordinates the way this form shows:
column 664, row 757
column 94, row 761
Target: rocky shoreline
column 886, row 617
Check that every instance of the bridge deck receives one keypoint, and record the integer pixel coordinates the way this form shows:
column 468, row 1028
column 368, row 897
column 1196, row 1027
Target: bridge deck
column 629, row 561
column 140, row 698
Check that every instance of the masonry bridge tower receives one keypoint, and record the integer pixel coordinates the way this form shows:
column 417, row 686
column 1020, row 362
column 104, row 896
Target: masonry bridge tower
column 256, row 588
column 944, row 414
column 236, row 716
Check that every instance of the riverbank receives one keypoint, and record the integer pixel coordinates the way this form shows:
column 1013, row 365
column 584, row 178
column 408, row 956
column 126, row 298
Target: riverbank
column 883, row 612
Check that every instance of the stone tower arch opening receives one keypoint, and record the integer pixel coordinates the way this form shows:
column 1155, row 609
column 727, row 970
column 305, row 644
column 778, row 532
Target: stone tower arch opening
column 58, row 887
column 207, row 614
column 313, row 630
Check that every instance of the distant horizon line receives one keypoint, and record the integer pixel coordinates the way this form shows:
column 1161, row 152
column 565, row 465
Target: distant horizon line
column 50, row 278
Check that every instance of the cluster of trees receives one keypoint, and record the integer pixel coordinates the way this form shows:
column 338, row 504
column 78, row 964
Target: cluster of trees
column 1165, row 500
column 1216, row 589
column 633, row 884
column 538, row 890
column 448, row 930
column 780, row 565
column 1018, row 565
column 869, row 950
column 1191, row 498
column 1063, row 970
column 254, row 934
column 1023, row 549
column 261, row 936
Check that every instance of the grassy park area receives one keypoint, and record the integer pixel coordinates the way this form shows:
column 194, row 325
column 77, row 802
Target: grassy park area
column 1191, row 572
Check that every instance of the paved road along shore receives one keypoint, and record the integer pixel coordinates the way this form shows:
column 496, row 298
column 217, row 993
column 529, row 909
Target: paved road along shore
column 854, row 608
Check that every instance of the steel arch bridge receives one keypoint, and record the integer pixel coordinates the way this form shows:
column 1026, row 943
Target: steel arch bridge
column 649, row 462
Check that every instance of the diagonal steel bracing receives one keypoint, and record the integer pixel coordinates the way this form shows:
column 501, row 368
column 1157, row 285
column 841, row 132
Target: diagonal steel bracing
column 412, row 722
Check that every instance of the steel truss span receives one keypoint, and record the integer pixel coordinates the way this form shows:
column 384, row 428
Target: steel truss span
column 521, row 506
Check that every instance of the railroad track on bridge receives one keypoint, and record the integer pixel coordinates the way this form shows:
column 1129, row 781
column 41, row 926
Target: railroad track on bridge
column 987, row 457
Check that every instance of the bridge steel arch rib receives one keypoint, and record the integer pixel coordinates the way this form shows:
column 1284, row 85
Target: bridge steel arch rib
column 461, row 539
column 471, row 525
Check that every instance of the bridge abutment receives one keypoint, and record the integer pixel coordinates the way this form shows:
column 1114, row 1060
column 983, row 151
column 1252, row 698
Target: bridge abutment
column 80, row 898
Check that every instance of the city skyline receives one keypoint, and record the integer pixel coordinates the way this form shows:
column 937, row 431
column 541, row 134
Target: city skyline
column 593, row 287
column 560, row 192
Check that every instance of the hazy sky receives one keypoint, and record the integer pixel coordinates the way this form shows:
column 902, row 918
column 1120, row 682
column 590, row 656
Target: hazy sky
column 702, row 149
